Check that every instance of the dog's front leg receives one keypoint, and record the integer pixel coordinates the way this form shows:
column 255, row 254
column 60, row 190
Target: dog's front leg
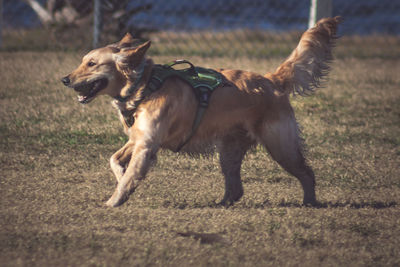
column 120, row 159
column 142, row 155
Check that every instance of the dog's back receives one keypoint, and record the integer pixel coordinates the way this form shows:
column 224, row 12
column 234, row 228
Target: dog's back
column 248, row 101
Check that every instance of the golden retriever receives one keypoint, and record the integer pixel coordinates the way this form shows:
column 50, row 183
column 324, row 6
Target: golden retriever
column 246, row 110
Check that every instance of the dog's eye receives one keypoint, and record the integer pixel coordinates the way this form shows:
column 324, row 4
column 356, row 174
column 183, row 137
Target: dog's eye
column 91, row 64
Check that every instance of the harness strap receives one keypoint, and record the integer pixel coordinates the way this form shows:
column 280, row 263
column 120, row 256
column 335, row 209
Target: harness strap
column 203, row 104
column 128, row 116
column 153, row 85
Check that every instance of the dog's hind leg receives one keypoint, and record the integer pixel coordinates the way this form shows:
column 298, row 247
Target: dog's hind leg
column 232, row 150
column 282, row 140
column 120, row 159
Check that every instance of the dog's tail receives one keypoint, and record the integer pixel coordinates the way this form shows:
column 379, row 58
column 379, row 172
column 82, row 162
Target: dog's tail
column 308, row 65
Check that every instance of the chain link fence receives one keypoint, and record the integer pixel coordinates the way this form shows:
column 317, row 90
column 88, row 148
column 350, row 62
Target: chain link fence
column 258, row 28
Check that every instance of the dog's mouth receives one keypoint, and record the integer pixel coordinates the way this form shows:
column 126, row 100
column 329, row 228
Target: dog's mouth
column 88, row 91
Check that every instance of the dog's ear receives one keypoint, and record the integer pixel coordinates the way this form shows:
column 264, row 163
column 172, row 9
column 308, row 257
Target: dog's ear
column 137, row 53
column 127, row 41
column 141, row 50
column 129, row 58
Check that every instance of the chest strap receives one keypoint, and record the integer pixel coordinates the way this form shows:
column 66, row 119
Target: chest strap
column 203, row 82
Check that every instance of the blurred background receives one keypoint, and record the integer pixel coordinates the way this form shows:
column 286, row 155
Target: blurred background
column 255, row 28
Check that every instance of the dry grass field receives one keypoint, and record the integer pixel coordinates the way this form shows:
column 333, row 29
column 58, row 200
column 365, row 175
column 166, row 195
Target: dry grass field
column 55, row 178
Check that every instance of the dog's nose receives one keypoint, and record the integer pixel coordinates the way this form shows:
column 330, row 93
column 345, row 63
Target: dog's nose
column 66, row 81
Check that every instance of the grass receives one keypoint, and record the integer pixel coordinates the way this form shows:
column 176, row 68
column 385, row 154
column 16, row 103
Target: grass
column 55, row 178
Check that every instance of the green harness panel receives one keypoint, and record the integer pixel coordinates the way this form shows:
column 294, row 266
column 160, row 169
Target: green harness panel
column 197, row 77
column 203, row 82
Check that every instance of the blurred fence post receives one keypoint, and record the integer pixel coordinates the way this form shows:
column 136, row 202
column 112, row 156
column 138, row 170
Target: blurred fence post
column 1, row 23
column 319, row 9
column 97, row 23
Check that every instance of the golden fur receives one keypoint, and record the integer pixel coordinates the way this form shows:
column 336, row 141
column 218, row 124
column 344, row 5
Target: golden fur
column 248, row 109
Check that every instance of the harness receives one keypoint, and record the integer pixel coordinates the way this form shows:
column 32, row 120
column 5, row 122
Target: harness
column 203, row 82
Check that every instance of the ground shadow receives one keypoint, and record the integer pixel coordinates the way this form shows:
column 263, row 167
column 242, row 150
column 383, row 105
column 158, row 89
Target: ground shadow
column 353, row 205
column 288, row 204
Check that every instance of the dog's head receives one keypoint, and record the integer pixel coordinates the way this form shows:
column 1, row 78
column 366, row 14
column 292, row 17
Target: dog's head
column 107, row 70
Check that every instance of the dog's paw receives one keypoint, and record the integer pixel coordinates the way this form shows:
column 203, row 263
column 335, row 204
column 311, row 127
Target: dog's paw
column 312, row 203
column 225, row 203
column 117, row 199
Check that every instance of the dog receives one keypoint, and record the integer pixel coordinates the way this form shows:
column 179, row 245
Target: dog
column 246, row 110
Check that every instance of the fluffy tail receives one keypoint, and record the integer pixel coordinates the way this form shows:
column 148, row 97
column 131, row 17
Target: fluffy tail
column 308, row 65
